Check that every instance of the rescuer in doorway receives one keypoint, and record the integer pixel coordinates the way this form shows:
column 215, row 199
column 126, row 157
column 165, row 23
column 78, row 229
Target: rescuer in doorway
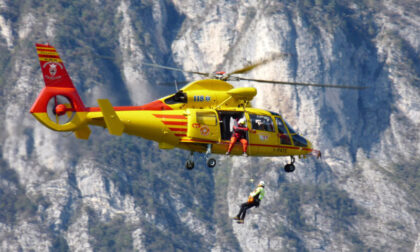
column 239, row 134
column 254, row 199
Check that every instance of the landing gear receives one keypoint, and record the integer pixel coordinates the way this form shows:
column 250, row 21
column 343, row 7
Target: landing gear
column 290, row 167
column 189, row 165
column 211, row 162
column 190, row 162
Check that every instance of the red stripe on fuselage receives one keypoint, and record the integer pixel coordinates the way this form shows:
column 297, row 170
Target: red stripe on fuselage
column 174, row 123
column 178, row 129
column 199, row 141
column 170, row 116
column 120, row 108
column 282, row 146
column 155, row 105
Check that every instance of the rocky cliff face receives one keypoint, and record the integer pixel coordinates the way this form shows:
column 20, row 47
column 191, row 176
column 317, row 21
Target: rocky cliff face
column 59, row 193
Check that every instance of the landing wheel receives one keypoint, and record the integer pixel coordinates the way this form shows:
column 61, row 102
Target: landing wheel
column 189, row 165
column 211, row 162
column 289, row 168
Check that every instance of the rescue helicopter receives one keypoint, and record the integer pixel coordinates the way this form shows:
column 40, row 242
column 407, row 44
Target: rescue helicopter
column 199, row 117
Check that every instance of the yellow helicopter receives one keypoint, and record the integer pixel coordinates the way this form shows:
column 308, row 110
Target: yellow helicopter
column 199, row 117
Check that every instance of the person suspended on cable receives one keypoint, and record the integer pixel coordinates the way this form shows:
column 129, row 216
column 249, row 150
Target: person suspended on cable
column 254, row 199
column 239, row 134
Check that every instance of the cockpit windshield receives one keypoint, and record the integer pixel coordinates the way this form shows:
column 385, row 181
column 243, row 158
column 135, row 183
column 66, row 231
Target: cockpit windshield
column 284, row 137
column 299, row 140
column 291, row 130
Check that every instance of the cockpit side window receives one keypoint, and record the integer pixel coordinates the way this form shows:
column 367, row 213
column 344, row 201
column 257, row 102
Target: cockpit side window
column 284, row 136
column 297, row 139
column 291, row 130
column 179, row 97
column 261, row 122
column 280, row 126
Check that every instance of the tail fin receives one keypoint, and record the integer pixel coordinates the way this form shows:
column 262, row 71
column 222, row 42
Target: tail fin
column 58, row 106
column 55, row 75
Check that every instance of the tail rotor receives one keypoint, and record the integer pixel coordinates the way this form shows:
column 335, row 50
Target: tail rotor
column 60, row 110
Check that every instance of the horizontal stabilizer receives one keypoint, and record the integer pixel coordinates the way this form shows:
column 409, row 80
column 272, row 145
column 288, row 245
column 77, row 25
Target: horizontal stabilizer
column 83, row 132
column 113, row 123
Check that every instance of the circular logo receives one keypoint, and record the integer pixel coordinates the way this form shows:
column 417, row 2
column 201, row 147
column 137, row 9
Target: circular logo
column 204, row 131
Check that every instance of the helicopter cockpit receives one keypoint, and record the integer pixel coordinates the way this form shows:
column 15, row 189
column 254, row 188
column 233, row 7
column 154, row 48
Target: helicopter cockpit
column 298, row 140
column 261, row 122
column 263, row 125
column 286, row 131
column 178, row 97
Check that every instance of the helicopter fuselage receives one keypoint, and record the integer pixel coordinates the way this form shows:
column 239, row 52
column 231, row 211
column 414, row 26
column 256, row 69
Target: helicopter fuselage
column 199, row 117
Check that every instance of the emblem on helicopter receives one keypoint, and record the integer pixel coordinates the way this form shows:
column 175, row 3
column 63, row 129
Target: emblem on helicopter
column 204, row 131
column 52, row 70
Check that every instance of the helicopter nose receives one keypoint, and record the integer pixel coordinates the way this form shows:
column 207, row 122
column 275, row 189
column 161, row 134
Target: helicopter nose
column 309, row 144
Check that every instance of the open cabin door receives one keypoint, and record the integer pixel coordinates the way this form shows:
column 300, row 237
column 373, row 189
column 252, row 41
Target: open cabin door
column 203, row 124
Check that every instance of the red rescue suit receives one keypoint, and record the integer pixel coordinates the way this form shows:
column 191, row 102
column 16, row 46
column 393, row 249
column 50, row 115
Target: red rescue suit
column 239, row 133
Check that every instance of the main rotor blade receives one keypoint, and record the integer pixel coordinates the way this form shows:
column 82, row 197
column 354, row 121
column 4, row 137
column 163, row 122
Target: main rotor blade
column 302, row 83
column 258, row 63
column 172, row 83
column 91, row 53
column 173, row 69
column 145, row 64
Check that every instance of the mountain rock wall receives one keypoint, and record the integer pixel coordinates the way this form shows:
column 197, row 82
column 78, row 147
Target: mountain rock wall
column 123, row 193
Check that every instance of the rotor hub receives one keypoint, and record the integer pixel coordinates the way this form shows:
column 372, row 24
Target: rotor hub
column 60, row 109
